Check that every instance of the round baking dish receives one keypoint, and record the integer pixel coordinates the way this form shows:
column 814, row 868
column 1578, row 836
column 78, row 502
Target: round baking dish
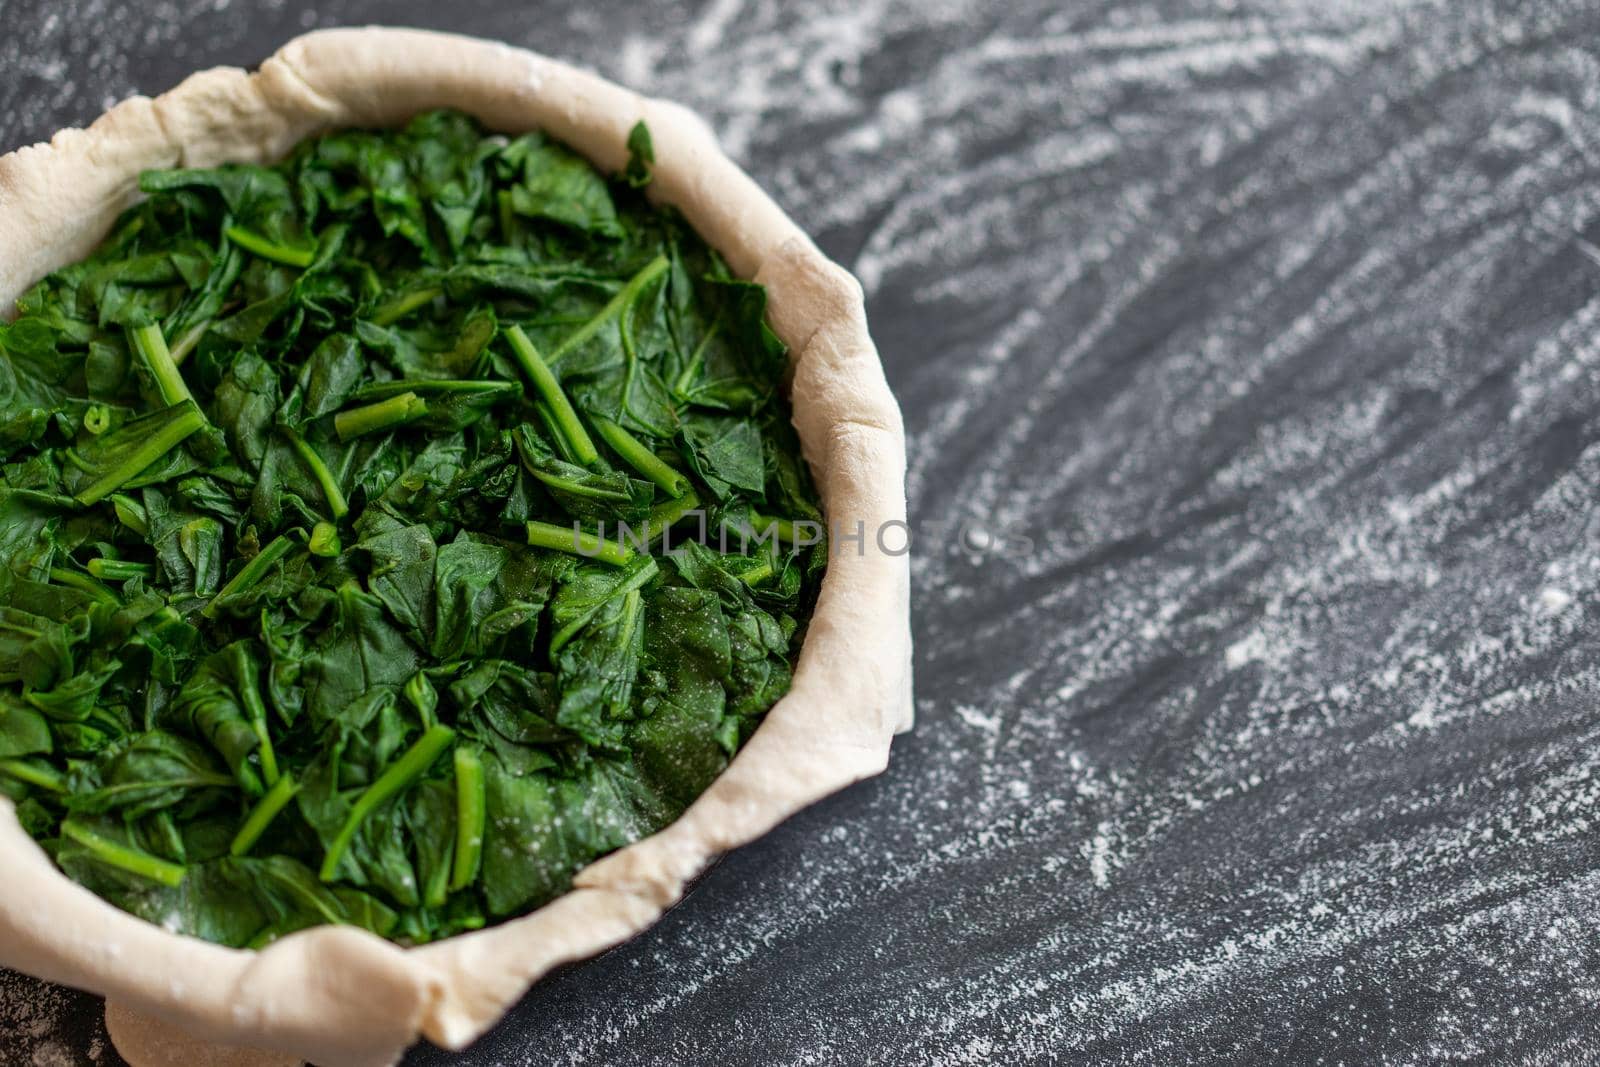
column 339, row 996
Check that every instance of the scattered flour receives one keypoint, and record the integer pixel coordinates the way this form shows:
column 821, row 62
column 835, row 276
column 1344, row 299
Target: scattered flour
column 1277, row 334
column 35, row 1016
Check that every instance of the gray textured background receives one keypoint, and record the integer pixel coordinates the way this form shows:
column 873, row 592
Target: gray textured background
column 1274, row 328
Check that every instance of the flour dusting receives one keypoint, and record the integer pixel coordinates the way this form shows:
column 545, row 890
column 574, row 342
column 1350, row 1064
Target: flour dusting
column 1272, row 332
column 46, row 1021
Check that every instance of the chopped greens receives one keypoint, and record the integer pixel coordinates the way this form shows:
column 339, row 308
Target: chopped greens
column 365, row 528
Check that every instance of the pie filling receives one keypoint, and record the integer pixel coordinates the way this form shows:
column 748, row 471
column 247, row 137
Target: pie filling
column 387, row 534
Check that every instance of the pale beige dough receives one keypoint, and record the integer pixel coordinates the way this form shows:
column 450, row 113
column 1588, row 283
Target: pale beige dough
column 342, row 997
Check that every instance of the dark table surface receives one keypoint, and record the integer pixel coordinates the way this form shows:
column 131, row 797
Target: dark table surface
column 1264, row 340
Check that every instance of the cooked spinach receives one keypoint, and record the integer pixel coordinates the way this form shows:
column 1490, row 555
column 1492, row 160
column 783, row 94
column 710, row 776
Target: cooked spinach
column 347, row 576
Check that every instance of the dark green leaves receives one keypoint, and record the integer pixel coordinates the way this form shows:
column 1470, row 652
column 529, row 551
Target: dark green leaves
column 758, row 642
column 255, row 198
column 362, row 653
column 23, row 732
column 400, row 564
column 464, row 576
column 332, row 578
column 726, row 452
column 556, row 185
column 153, row 771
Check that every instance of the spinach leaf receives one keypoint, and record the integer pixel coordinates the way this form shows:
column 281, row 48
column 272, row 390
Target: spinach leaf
column 551, row 182
column 154, row 770
column 362, row 652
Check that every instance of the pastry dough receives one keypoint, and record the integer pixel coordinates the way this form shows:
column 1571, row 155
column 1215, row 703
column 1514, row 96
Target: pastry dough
column 343, row 997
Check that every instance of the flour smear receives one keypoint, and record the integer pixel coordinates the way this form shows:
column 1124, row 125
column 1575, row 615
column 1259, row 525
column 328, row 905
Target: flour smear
column 1276, row 329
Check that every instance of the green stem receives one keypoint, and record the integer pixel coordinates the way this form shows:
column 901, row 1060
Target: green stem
column 167, row 437
column 325, row 540
column 664, row 514
column 436, row 890
column 577, row 487
column 97, row 419
column 261, row 815
column 759, row 573
column 198, row 780
column 628, row 294
column 471, row 818
column 83, row 584
column 579, row 542
column 250, row 696
column 785, row 527
column 401, row 306
column 255, row 244
column 401, row 773
column 640, row 458
column 125, row 857
column 319, row 470
column 384, row 415
column 118, row 570
column 421, row 694
column 153, row 347
column 46, row 778
column 250, row 573
column 425, row 387
column 544, row 380
column 187, row 342
column 547, row 418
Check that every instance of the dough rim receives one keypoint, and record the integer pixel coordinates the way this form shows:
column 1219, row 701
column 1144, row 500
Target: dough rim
column 343, row 997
